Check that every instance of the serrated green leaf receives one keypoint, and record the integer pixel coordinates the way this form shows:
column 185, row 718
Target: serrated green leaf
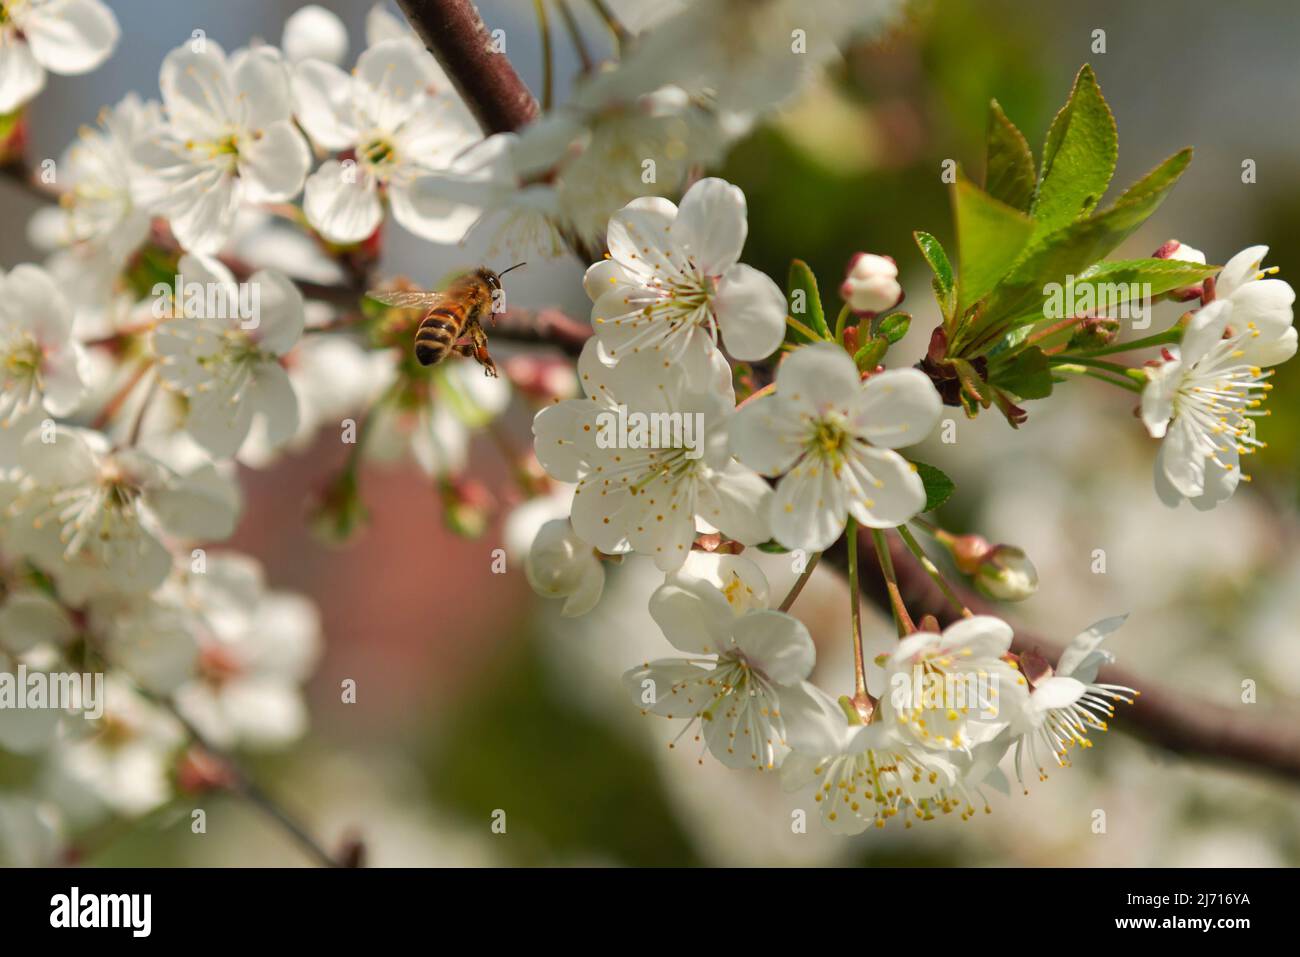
column 1028, row 375
column 1019, row 297
column 990, row 237
column 869, row 356
column 1008, row 164
column 943, row 282
column 805, row 300
column 938, row 487
column 1161, row 274
column 894, row 327
column 1079, row 157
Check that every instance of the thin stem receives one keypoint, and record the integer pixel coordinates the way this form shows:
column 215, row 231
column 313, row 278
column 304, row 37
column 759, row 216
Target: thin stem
column 896, row 604
column 855, row 609
column 932, row 570
column 548, row 55
column 1052, row 330
column 114, row 405
column 802, row 580
column 799, row 327
column 1159, row 339
column 1075, row 369
column 1115, row 367
column 841, row 321
column 575, row 35
column 616, row 28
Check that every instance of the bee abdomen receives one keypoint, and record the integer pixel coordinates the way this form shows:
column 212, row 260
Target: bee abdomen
column 436, row 334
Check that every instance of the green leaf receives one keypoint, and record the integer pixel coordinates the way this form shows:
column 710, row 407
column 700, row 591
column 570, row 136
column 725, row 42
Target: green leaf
column 973, row 385
column 772, row 547
column 1114, row 280
column 869, row 356
column 894, row 327
column 804, row 299
column 944, row 284
column 1019, row 298
column 990, row 237
column 1028, row 375
column 938, row 487
column 1078, row 157
column 1008, row 164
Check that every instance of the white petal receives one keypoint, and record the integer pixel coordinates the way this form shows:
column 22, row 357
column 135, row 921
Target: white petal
column 323, row 94
column 197, row 92
column 71, row 36
column 272, row 395
column 768, row 434
column 777, row 643
column 281, row 312
column 554, row 442
column 738, row 503
column 429, row 214
column 712, row 223
column 808, row 509
column 1205, row 330
column 312, row 32
column 897, row 408
column 21, row 77
column 751, row 312
column 274, row 166
column 342, row 203
column 1157, row 405
column 1239, row 270
column 819, row 377
column 693, row 615
column 984, row 635
column 887, row 489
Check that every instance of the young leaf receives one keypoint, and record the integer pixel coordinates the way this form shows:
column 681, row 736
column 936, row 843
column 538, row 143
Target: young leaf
column 1078, row 157
column 1027, row 376
column 944, row 284
column 869, row 356
column 1113, row 281
column 938, row 487
column 1019, row 298
column 1008, row 164
column 990, row 237
column 804, row 299
column 894, row 327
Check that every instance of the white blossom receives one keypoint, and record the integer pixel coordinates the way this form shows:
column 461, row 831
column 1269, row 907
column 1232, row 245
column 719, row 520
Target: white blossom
column 68, row 37
column 561, row 565
column 314, row 33
column 41, row 366
column 834, row 436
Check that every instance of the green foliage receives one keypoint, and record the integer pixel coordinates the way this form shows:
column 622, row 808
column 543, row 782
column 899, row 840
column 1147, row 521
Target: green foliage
column 990, row 236
column 945, row 285
column 1078, row 157
column 805, row 301
column 1162, row 275
column 938, row 487
column 894, row 327
column 1027, row 375
column 1008, row 163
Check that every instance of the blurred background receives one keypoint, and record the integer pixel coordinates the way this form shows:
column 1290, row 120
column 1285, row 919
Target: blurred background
column 474, row 696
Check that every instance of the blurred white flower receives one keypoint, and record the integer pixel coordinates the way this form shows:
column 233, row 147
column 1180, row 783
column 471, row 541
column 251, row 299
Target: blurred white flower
column 41, row 367
column 95, row 518
column 648, row 499
column 1203, row 399
column 673, row 283
column 31, row 832
column 123, row 764
column 397, row 114
column 746, row 665
column 33, row 631
column 1068, row 702
column 99, row 223
column 229, row 138
column 314, row 33
column 834, row 436
column 561, row 565
column 68, row 37
column 255, row 650
column 228, row 365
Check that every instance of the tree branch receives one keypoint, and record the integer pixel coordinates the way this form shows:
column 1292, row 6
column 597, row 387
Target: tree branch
column 1179, row 722
column 453, row 31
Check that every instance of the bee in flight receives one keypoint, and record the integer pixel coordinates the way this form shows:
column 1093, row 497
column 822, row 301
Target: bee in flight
column 454, row 322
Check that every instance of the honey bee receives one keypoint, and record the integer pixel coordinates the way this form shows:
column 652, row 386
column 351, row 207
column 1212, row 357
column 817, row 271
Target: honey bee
column 454, row 322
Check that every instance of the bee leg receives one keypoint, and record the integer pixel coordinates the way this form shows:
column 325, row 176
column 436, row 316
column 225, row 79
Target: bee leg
column 479, row 350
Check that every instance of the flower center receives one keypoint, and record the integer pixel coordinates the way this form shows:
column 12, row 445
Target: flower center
column 378, row 153
column 828, row 439
column 1222, row 396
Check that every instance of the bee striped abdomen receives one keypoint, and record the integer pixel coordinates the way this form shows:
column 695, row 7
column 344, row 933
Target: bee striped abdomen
column 437, row 334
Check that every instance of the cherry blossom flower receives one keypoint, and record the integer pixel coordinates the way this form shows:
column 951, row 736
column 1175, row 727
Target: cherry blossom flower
column 743, row 661
column 41, row 366
column 1068, row 702
column 69, row 37
column 673, row 283
column 229, row 138
column 834, row 436
column 400, row 118
column 228, row 365
column 953, row 691
column 864, row 774
column 1203, row 399
column 95, row 518
column 561, row 565
column 648, row 499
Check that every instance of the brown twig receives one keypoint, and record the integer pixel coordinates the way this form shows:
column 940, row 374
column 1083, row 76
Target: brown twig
column 1183, row 723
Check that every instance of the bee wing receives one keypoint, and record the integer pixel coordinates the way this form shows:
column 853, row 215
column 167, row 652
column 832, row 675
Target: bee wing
column 405, row 299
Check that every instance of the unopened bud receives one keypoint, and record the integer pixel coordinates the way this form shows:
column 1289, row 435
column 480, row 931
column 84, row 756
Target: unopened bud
column 199, row 771
column 466, row 506
column 967, row 551
column 1007, row 574
column 339, row 512
column 871, row 284
column 561, row 565
column 1184, row 253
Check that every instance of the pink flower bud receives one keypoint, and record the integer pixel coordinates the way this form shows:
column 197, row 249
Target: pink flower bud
column 871, row 284
column 1184, row 253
